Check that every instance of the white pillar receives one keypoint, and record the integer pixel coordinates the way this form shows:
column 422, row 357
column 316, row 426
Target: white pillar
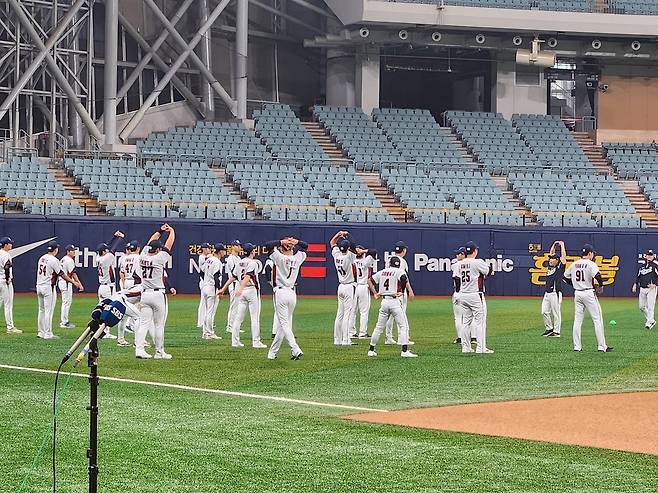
column 367, row 80
column 241, row 53
column 111, row 58
column 341, row 73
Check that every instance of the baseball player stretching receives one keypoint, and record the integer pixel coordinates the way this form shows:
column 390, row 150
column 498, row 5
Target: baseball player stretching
column 288, row 255
column 212, row 269
column 391, row 283
column 401, row 252
column 647, row 278
column 66, row 288
column 365, row 265
column 472, row 272
column 248, row 297
column 231, row 269
column 152, row 262
column 581, row 275
column 344, row 253
column 128, row 278
column 105, row 262
column 269, row 271
column 7, row 284
column 206, row 251
column 460, row 254
column 48, row 270
column 551, row 305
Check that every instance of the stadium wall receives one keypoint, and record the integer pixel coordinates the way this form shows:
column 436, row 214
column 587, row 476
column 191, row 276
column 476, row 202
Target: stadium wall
column 518, row 254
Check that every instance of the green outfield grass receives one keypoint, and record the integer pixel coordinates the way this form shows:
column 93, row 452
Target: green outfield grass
column 159, row 439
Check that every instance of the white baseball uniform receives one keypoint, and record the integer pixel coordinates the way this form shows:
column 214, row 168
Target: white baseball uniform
column 284, row 273
column 647, row 278
column 7, row 288
column 131, row 298
column 456, row 305
column 129, row 267
column 106, row 279
column 390, row 281
column 551, row 305
column 201, row 310
column 248, row 300
column 66, row 288
column 269, row 269
column 230, row 268
column 364, row 268
column 404, row 300
column 346, row 271
column 211, row 269
column 154, row 299
column 48, row 270
column 582, row 273
column 471, row 298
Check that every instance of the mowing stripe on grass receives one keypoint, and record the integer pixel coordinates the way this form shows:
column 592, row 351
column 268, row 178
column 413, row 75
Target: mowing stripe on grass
column 206, row 391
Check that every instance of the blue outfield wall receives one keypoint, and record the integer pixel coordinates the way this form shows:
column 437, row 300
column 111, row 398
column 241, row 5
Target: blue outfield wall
column 518, row 254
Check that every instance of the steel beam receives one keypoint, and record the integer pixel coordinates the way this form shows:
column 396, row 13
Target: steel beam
column 206, row 57
column 214, row 83
column 241, row 55
column 288, row 17
column 111, row 58
column 139, row 115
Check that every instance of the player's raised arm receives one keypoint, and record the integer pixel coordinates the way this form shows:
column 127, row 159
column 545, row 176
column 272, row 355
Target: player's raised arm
column 334, row 241
column 563, row 252
column 301, row 245
column 116, row 239
column 155, row 236
column 171, row 237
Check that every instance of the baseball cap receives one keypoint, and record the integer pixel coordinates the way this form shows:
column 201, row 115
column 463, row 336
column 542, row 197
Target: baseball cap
column 102, row 247
column 248, row 248
column 52, row 245
column 219, row 247
column 344, row 245
column 587, row 248
column 236, row 243
column 554, row 256
column 648, row 252
column 6, row 240
column 460, row 251
column 133, row 245
column 470, row 247
column 394, row 261
column 205, row 244
column 70, row 248
column 399, row 246
column 155, row 244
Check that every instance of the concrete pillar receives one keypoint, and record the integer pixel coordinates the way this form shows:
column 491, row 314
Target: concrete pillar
column 110, row 67
column 512, row 96
column 341, row 74
column 241, row 54
column 367, row 80
column 207, row 95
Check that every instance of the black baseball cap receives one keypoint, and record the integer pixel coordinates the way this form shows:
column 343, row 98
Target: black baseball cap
column 587, row 248
column 248, row 248
column 102, row 247
column 70, row 248
column 133, row 245
column 219, row 247
column 52, row 245
column 155, row 244
column 554, row 256
column 460, row 251
column 205, row 244
column 344, row 245
column 648, row 252
column 399, row 246
column 470, row 247
column 236, row 243
column 394, row 261
column 6, row 240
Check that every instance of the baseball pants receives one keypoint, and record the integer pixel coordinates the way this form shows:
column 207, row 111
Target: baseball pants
column 457, row 313
column 209, row 302
column 551, row 310
column 587, row 301
column 47, row 299
column 201, row 311
column 389, row 325
column 105, row 291
column 648, row 304
column 391, row 309
column 66, row 288
column 132, row 314
column 152, row 318
column 285, row 300
column 230, row 317
column 344, row 314
column 275, row 320
column 362, row 306
column 7, row 299
column 249, row 300
column 473, row 321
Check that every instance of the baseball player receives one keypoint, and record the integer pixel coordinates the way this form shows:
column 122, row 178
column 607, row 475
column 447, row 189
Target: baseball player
column 551, row 305
column 105, row 263
column 460, row 254
column 7, row 284
column 48, row 270
column 288, row 255
column 647, row 278
column 391, row 283
column 152, row 262
column 270, row 273
column 401, row 250
column 581, row 275
column 129, row 266
column 66, row 288
column 212, row 270
column 131, row 297
column 206, row 251
column 472, row 272
column 365, row 265
column 248, row 297
column 230, row 269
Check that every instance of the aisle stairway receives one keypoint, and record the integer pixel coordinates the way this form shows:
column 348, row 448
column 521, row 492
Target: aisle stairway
column 93, row 208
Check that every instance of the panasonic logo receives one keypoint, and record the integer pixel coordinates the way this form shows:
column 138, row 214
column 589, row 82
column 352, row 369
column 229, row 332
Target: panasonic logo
column 422, row 261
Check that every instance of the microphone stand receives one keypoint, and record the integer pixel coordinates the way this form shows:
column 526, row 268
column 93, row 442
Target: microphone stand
column 92, row 451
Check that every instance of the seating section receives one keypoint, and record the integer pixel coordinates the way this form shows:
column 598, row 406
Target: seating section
column 285, row 137
column 552, row 142
column 649, row 185
column 356, row 134
column 418, row 137
column 602, row 194
column 26, row 183
column 493, row 141
column 209, row 140
column 632, row 160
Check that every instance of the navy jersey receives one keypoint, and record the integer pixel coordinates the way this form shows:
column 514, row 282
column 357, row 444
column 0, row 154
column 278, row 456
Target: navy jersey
column 554, row 277
column 647, row 274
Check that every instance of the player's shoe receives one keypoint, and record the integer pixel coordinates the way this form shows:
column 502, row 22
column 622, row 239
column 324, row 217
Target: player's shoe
column 364, row 336
column 467, row 350
column 213, row 337
column 258, row 345
column 239, row 344
column 474, row 340
column 51, row 337
column 296, row 357
column 651, row 325
column 458, row 340
column 486, row 350
column 577, row 350
column 547, row 332
column 390, row 342
column 553, row 334
column 67, row 325
column 130, row 330
column 606, row 350
column 372, row 354
column 408, row 354
column 142, row 355
column 109, row 336
column 271, row 356
column 14, row 330
column 123, row 343
column 162, row 355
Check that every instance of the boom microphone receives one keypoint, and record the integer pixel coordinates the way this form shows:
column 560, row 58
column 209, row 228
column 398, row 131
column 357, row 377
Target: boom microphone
column 97, row 335
column 76, row 344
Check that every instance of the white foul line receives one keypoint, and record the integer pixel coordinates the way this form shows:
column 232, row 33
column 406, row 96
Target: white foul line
column 207, row 391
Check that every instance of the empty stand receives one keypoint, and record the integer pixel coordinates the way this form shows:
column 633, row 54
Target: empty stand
column 634, row 7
